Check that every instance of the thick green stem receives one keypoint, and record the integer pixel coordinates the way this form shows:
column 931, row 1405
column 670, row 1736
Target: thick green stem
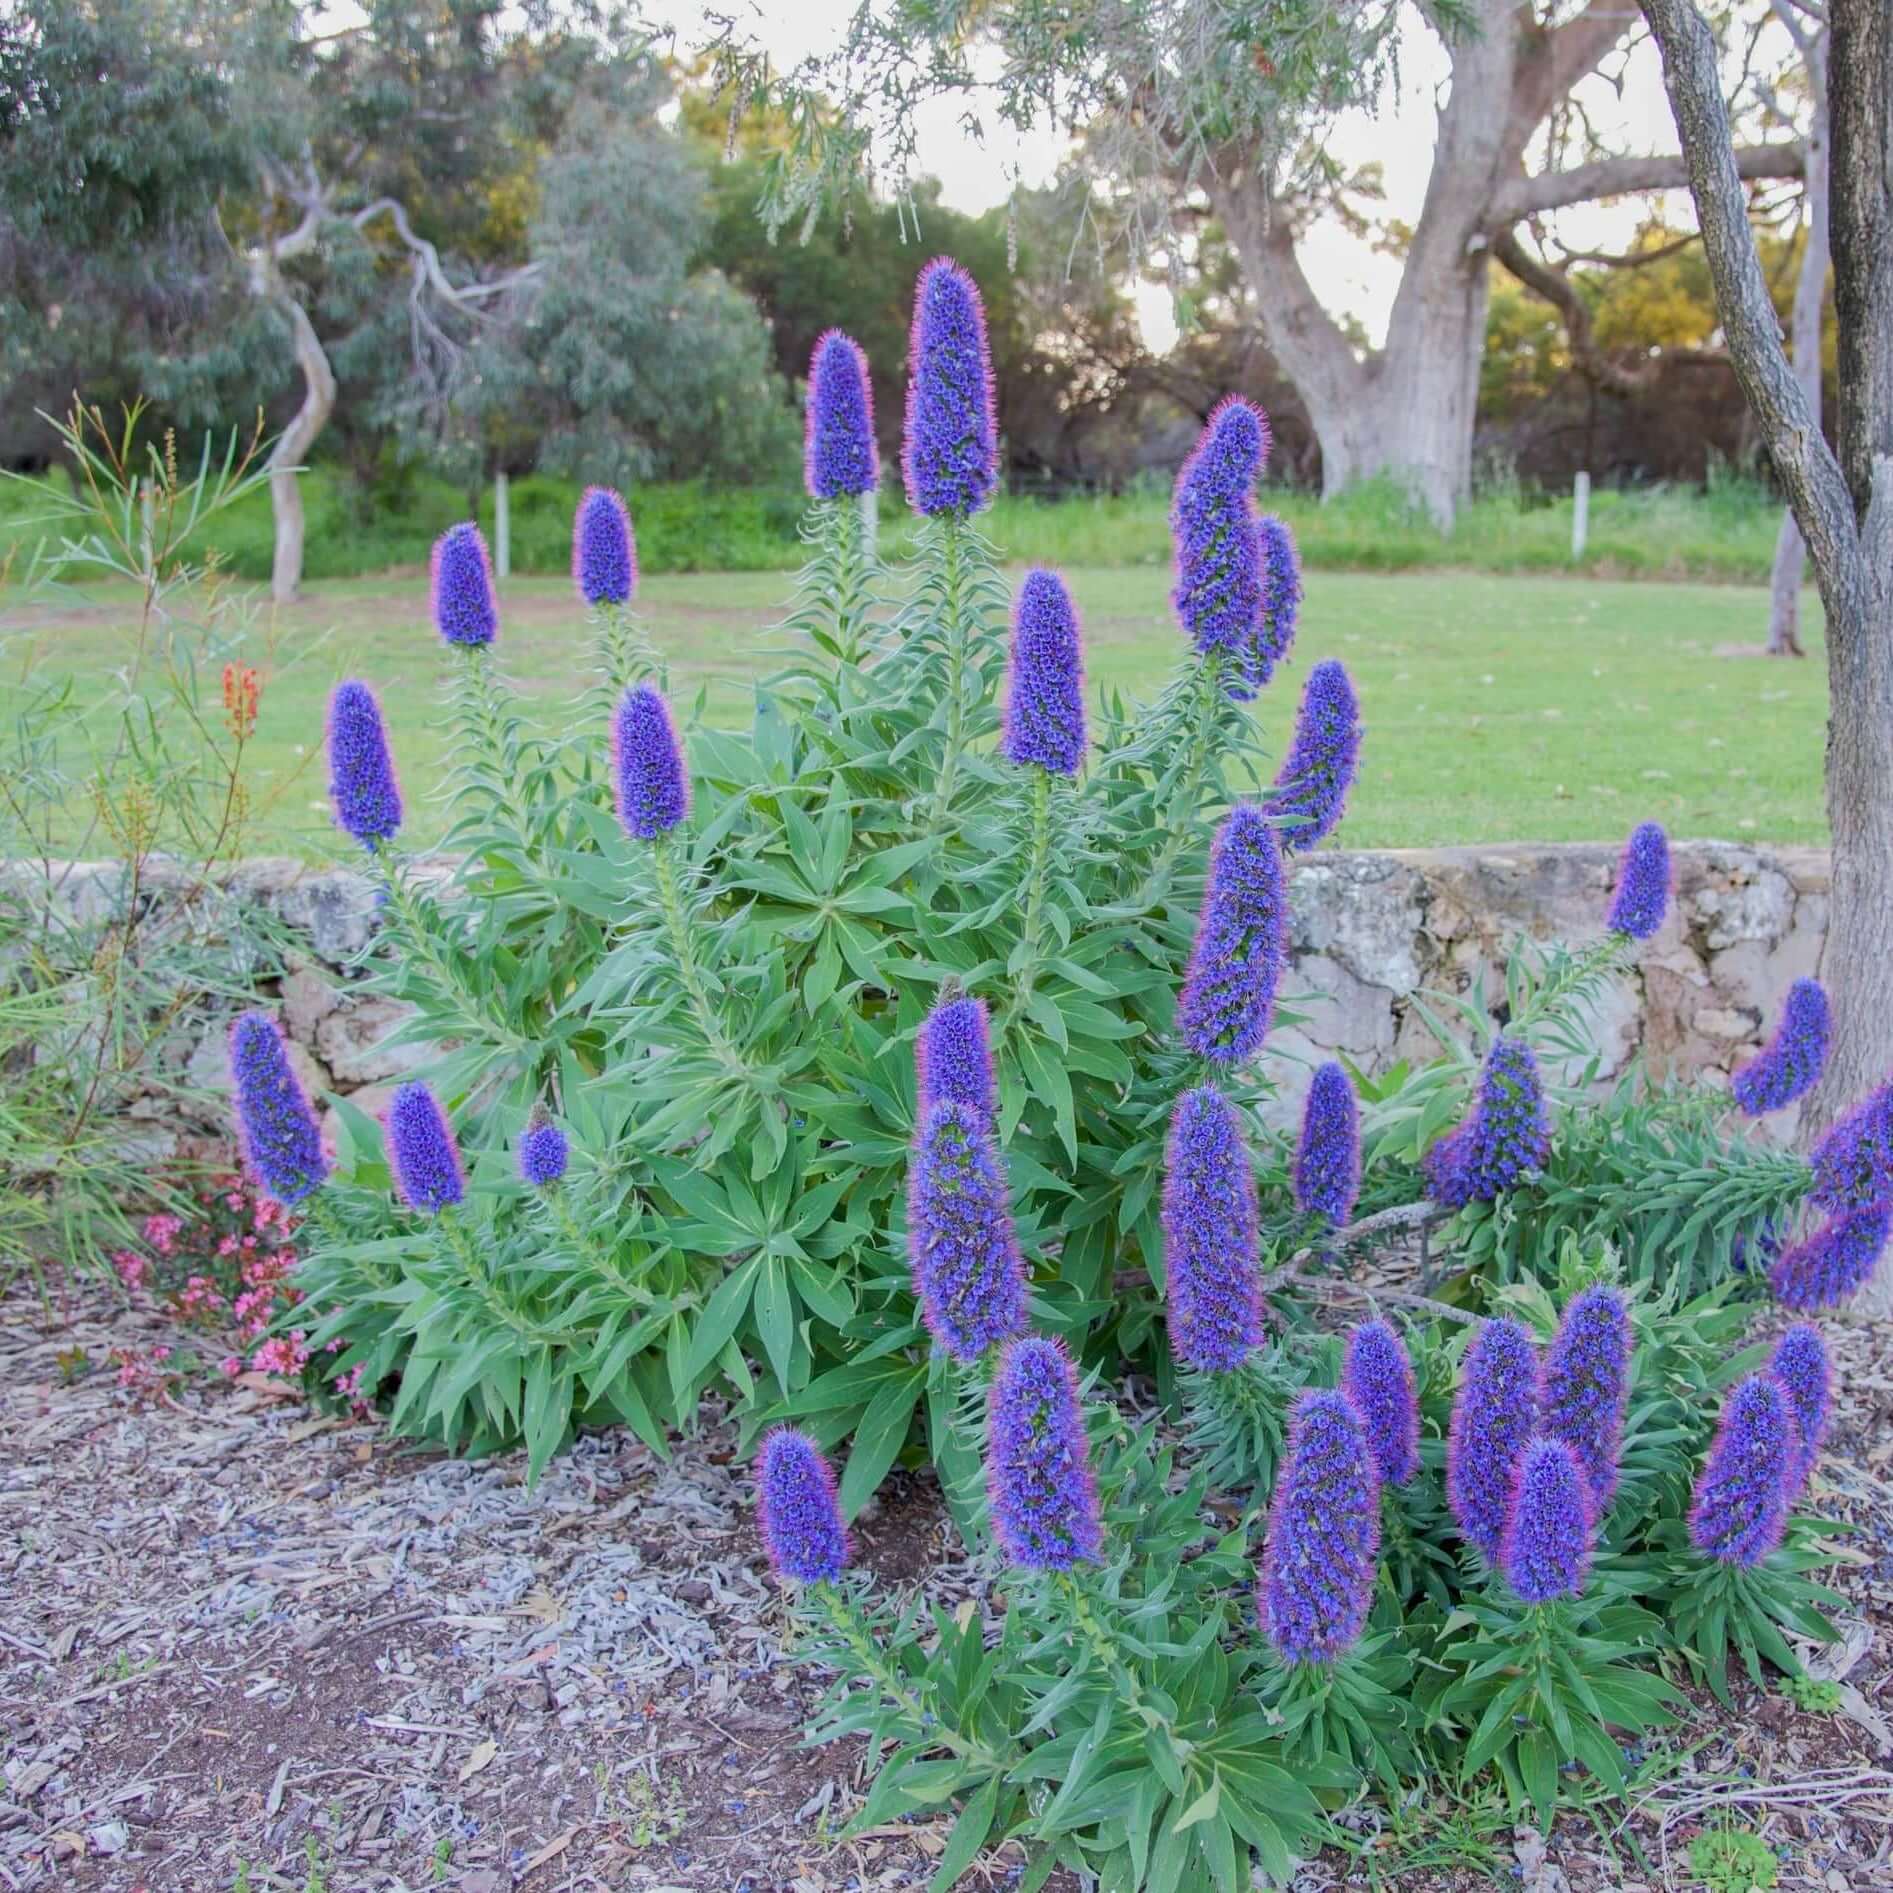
column 953, row 584
column 472, row 1006
column 1097, row 1638
column 1182, row 814
column 844, row 532
column 624, row 653
column 1578, row 969
column 1038, row 869
column 558, row 1200
column 684, row 948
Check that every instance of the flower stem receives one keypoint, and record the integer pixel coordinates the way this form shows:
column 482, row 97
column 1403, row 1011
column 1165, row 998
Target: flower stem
column 683, row 946
column 472, row 1005
column 953, row 587
column 1181, row 821
column 1037, row 871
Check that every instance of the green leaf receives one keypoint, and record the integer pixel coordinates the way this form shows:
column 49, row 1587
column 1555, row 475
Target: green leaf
column 879, row 1438
column 968, row 1837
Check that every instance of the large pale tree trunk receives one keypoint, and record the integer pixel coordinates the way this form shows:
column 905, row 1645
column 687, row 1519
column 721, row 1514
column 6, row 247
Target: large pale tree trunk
column 292, row 452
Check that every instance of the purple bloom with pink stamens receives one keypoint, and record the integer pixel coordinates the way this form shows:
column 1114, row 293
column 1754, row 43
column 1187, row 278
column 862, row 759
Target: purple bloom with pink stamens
column 277, row 1131
column 1585, row 1387
column 1800, row 1363
column 1311, row 791
column 1378, row 1378
column 950, row 454
column 1643, row 884
column 953, row 1058
column 798, row 1510
column 1045, row 679
column 1281, row 595
column 422, row 1152
column 1503, row 1138
column 1212, row 1260
column 604, row 549
column 1792, row 1062
column 647, row 765
column 363, row 789
column 461, row 587
column 1827, row 1267
column 1328, row 1155
column 1546, row 1549
column 968, row 1273
column 1742, row 1494
column 1043, row 1497
column 1213, row 526
column 1228, row 997
column 840, row 459
column 1493, row 1416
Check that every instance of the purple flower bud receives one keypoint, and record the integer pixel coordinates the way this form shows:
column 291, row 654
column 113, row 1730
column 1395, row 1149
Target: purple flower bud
column 839, row 455
column 1378, row 1378
column 1045, row 681
column 1643, row 884
column 1504, row 1137
column 798, row 1511
column 1211, row 1249
column 647, row 763
column 1218, row 595
column 949, row 456
column 1228, row 997
column 968, row 1273
column 1043, row 1498
column 422, row 1152
column 1793, row 1060
column 1311, row 792
column 1546, row 1550
column 1741, row 1505
column 363, row 790
column 462, row 587
column 1493, row 1417
column 275, row 1126
column 604, row 549
column 1585, row 1388
column 953, row 1060
column 1324, row 1534
column 1853, row 1163
column 1328, row 1158
column 543, row 1153
column 1799, row 1363
column 1281, row 595
column 1827, row 1267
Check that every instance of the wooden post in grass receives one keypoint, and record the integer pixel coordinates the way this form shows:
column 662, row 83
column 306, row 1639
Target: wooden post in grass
column 1580, row 515
column 502, row 528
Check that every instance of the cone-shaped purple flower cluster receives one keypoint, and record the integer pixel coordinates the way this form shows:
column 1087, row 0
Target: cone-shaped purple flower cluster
column 363, row 790
column 1794, row 1058
column 1311, row 791
column 1643, row 884
column 1853, row 1163
column 1585, row 1388
column 422, row 1152
column 647, row 765
column 840, row 459
column 1741, row 1502
column 1211, row 1252
column 1546, row 1550
column 953, row 1058
column 798, row 1510
column 968, row 1273
column 1493, row 1417
column 1228, row 997
column 1044, row 1500
column 949, row 457
column 1045, row 679
column 1800, row 1364
column 461, row 587
column 1378, row 1378
column 1503, row 1138
column 275, row 1126
column 1281, row 595
column 543, row 1155
column 1827, row 1267
column 1328, row 1157
column 1324, row 1534
column 1219, row 584
column 604, row 549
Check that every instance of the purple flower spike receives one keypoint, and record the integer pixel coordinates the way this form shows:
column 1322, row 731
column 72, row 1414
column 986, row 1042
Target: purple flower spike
column 798, row 1511
column 1742, row 1496
column 604, row 549
column 1503, row 1138
column 1834, row 1262
column 1328, row 1158
column 1228, row 997
column 1045, row 694
column 1311, row 792
column 1643, row 884
column 1219, row 584
column 839, row 457
column 1212, row 1258
column 1546, row 1550
column 647, row 763
column 543, row 1154
column 363, row 790
column 1378, row 1378
column 1585, row 1388
column 275, row 1126
column 1792, row 1063
column 953, row 1059
column 462, row 587
column 422, row 1152
column 1044, row 1500
column 1324, row 1534
column 1493, row 1417
column 968, row 1273
column 1800, row 1364
column 949, row 456
column 1853, row 1163
column 1281, row 595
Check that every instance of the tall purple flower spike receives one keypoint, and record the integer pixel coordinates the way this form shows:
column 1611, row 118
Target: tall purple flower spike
column 1213, row 527
column 1378, row 1378
column 953, row 1058
column 1643, row 884
column 798, row 1510
column 604, row 549
column 1281, row 595
column 1212, row 1262
column 422, row 1152
column 1800, row 1364
column 276, row 1128
column 1824, row 1269
column 1585, row 1388
column 1503, row 1138
column 1853, row 1163
column 1742, row 1495
column 1045, row 694
column 1328, row 1157
column 840, row 459
column 647, row 765
column 1043, row 1498
column 1546, row 1550
column 968, row 1274
column 1311, row 791
column 461, row 588
column 1493, row 1417
column 363, row 789
column 950, row 455
column 1228, row 998
column 1323, row 1547
column 543, row 1155
column 1792, row 1062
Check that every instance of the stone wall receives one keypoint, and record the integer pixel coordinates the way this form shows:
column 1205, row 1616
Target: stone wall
column 1369, row 932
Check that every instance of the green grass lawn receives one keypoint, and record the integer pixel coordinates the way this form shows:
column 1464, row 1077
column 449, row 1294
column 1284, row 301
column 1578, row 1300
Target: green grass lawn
column 1497, row 708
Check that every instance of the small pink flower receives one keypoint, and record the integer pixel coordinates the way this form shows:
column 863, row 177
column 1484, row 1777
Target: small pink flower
column 161, row 1353
column 131, row 1267
column 231, row 1364
column 161, row 1231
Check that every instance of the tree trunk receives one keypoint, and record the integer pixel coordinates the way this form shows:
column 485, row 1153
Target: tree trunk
column 292, row 451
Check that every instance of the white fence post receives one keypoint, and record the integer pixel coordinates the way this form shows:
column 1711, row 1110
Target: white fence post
column 1580, row 515
column 502, row 527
